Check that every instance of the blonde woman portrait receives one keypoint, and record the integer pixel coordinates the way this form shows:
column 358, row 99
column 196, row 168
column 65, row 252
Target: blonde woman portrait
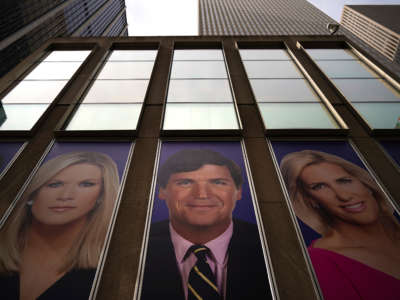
column 52, row 241
column 358, row 254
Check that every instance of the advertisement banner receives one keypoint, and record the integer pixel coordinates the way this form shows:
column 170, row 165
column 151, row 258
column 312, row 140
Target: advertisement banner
column 393, row 149
column 7, row 153
column 351, row 230
column 51, row 243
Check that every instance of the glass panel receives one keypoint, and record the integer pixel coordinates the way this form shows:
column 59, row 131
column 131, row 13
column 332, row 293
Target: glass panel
column 127, row 55
column 296, row 115
column 264, row 54
column 367, row 90
column 7, row 153
column 126, row 70
column 198, row 54
column 34, row 91
column 380, row 115
column 343, row 69
column 21, row 116
column 105, row 117
column 117, row 91
column 198, row 69
column 282, row 90
column 200, row 116
column 53, row 71
column 339, row 54
column 271, row 69
column 199, row 90
column 67, row 55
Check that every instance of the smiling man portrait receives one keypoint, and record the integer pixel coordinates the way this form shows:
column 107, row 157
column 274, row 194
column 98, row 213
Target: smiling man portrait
column 201, row 251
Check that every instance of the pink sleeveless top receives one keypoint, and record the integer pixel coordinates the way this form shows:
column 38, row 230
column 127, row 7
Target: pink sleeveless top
column 344, row 278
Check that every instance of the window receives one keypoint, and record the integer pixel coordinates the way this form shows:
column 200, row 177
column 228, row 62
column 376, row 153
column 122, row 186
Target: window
column 284, row 97
column 114, row 100
column 199, row 93
column 24, row 104
column 373, row 96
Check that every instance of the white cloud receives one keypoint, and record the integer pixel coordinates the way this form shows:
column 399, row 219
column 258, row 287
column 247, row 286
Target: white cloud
column 162, row 17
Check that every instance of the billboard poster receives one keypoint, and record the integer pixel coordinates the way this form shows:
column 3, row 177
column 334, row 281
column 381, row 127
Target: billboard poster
column 393, row 149
column 51, row 242
column 204, row 241
column 350, row 228
column 7, row 153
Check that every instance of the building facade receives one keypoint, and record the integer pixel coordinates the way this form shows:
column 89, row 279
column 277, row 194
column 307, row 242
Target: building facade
column 132, row 98
column 377, row 25
column 27, row 25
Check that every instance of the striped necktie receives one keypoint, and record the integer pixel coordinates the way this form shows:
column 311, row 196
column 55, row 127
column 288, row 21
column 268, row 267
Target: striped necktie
column 202, row 284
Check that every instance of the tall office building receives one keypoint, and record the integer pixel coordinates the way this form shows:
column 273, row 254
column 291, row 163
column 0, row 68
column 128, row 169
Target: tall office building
column 273, row 17
column 377, row 25
column 27, row 25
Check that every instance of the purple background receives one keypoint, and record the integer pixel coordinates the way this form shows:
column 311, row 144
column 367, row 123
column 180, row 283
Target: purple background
column 117, row 151
column 7, row 152
column 342, row 149
column 244, row 209
column 393, row 149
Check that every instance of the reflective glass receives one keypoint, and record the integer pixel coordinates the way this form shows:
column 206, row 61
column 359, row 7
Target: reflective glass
column 364, row 90
column 67, row 55
column 198, row 69
column 323, row 54
column 346, row 69
column 126, row 70
column 53, row 71
column 117, row 91
column 296, row 115
column 200, row 116
column 105, row 117
column 34, row 91
column 271, row 69
column 22, row 116
column 282, row 90
column 217, row 90
column 264, row 54
column 380, row 115
column 129, row 55
column 198, row 54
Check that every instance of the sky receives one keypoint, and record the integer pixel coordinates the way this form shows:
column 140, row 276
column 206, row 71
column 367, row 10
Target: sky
column 180, row 17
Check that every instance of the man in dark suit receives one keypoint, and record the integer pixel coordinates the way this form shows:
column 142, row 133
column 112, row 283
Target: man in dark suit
column 201, row 188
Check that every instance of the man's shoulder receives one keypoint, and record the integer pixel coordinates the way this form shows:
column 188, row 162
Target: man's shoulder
column 242, row 227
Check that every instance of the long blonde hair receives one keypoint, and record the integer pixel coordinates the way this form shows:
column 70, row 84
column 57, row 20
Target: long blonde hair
column 292, row 166
column 86, row 249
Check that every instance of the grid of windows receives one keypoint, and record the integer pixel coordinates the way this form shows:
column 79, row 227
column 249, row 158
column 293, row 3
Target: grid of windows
column 284, row 97
column 24, row 104
column 371, row 94
column 115, row 98
column 199, row 94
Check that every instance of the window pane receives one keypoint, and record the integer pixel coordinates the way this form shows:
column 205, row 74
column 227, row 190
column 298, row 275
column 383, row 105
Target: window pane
column 380, row 115
column 282, row 90
column 22, row 116
column 53, row 71
column 339, row 54
column 105, row 117
column 367, row 90
column 126, row 70
column 296, row 115
column 217, row 90
column 271, row 69
column 343, row 69
column 198, row 69
column 34, row 91
column 127, row 55
column 264, row 54
column 198, row 54
column 67, row 55
column 200, row 116
column 117, row 91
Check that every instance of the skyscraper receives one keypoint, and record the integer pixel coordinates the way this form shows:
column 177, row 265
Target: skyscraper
column 26, row 25
column 377, row 25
